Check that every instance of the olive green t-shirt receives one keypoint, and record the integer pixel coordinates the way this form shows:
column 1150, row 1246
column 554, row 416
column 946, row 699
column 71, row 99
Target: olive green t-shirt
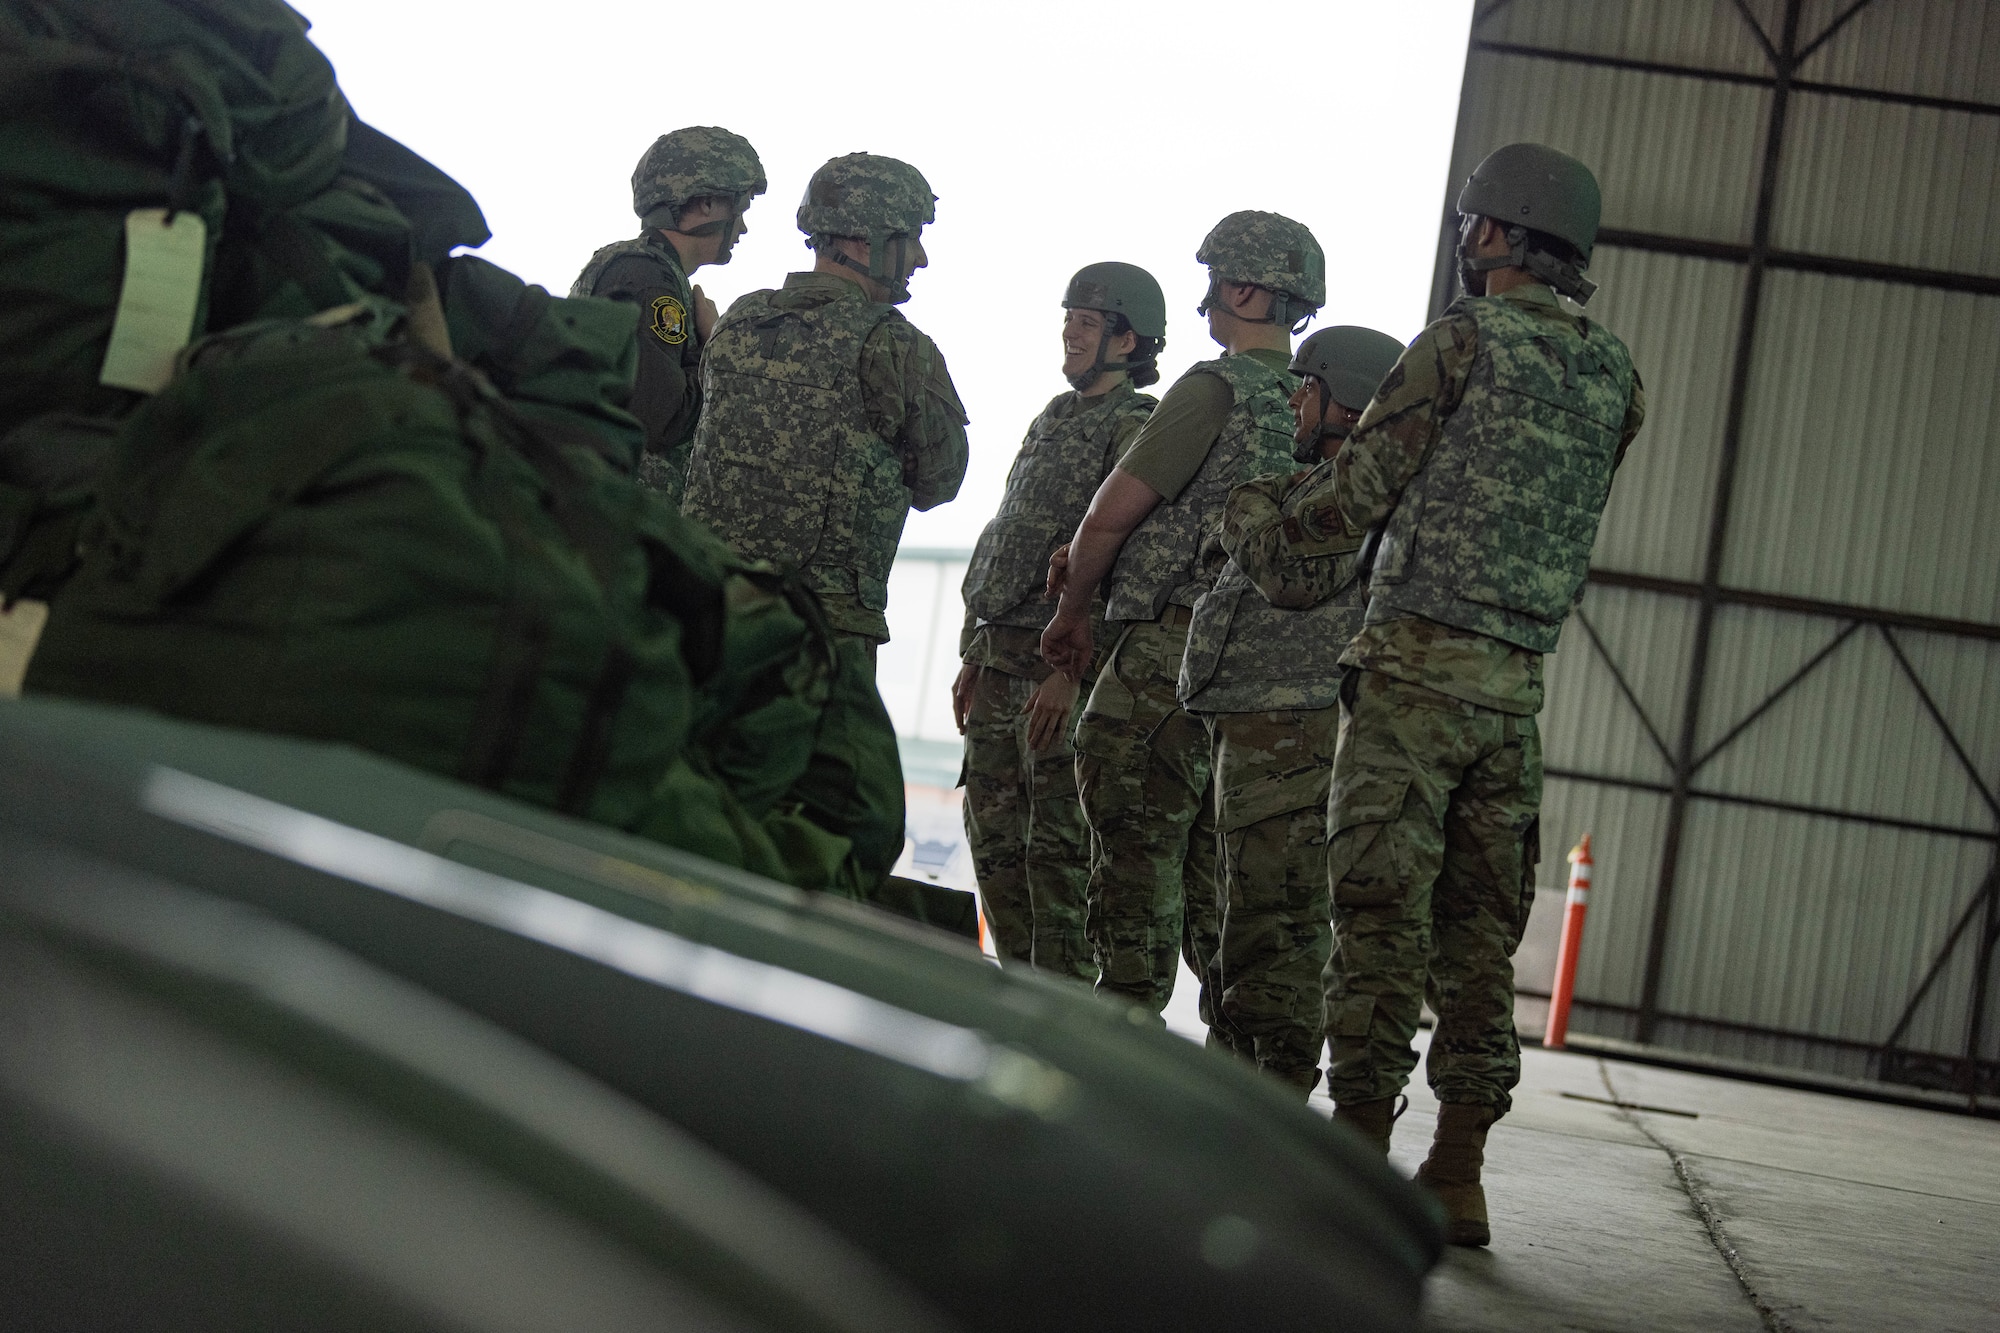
column 1177, row 437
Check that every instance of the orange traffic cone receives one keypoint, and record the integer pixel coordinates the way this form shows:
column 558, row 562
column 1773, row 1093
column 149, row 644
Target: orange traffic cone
column 1572, row 939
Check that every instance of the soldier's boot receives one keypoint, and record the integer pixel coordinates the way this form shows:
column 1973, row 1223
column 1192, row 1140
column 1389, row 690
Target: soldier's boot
column 1373, row 1120
column 1451, row 1172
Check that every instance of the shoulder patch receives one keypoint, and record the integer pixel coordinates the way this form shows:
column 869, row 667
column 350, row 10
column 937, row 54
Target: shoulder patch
column 670, row 320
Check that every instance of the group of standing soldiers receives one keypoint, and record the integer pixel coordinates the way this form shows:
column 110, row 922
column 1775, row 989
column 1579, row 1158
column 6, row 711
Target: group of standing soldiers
column 1251, row 670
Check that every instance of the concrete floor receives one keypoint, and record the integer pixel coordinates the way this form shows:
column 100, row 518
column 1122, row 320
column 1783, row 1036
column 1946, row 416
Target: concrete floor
column 1757, row 1208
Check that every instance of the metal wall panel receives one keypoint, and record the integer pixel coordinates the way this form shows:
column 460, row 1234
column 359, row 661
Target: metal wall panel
column 1837, row 822
column 1709, row 33
column 1671, row 154
column 1870, row 473
column 1934, row 48
column 1908, row 185
column 1667, row 309
column 1588, row 724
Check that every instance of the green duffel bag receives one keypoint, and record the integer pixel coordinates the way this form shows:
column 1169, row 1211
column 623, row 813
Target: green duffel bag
column 322, row 530
column 1144, row 1201
column 108, row 108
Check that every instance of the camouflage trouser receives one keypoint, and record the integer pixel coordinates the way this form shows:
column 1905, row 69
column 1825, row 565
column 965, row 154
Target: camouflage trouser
column 1433, row 837
column 1272, row 771
column 1142, row 769
column 1030, row 846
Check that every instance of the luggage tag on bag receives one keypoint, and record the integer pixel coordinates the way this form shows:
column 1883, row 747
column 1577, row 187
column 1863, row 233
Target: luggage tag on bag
column 163, row 263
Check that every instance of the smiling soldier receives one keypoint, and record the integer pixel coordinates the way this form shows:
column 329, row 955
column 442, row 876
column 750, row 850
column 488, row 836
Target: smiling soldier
column 1030, row 847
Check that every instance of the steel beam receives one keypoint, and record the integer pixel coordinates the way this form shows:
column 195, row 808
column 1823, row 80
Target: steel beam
column 1738, row 77
column 1718, row 520
column 1806, row 606
column 1772, row 803
column 1797, row 261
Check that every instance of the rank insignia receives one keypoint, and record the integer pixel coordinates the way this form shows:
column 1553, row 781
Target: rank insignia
column 670, row 320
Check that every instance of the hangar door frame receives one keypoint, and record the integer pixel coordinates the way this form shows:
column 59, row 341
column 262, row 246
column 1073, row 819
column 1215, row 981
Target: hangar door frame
column 1786, row 42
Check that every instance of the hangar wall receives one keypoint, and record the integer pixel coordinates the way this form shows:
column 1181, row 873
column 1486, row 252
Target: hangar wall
column 1778, row 709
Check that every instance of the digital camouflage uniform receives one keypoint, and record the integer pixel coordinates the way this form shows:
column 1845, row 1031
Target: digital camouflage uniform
column 828, row 418
column 1143, row 762
column 1487, row 455
column 646, row 272
column 1262, row 668
column 1030, row 845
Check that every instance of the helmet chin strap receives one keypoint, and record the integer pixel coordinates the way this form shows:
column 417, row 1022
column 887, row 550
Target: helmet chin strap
column 895, row 279
column 1314, row 449
column 1280, row 304
column 1083, row 379
column 1564, row 277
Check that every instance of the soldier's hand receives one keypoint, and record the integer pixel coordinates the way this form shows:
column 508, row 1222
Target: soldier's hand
column 1048, row 710
column 1066, row 643
column 704, row 315
column 961, row 695
column 1058, row 573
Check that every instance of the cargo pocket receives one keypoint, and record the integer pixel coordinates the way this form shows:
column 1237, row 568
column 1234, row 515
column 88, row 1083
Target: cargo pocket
column 1364, row 858
column 1350, row 1016
column 1531, row 858
column 1110, row 697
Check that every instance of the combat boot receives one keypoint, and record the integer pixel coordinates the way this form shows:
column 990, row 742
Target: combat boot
column 1373, row 1120
column 1451, row 1172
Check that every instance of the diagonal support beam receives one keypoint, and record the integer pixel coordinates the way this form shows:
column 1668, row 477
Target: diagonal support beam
column 1832, row 28
column 1937, row 716
column 1625, row 688
column 1770, row 700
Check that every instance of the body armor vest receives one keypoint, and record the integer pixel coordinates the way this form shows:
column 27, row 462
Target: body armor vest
column 1172, row 558
column 1246, row 656
column 786, row 466
column 1062, row 462
column 1493, row 535
column 647, row 246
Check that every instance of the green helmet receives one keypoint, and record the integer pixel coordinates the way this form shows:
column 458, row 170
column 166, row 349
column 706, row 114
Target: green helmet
column 880, row 200
column 694, row 163
column 1120, row 289
column 1529, row 187
column 1347, row 362
column 1271, row 251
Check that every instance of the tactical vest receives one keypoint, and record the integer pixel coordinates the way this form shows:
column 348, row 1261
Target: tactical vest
column 1494, row 534
column 786, row 467
column 646, row 246
column 1062, row 462
column 1246, row 656
column 1172, row 558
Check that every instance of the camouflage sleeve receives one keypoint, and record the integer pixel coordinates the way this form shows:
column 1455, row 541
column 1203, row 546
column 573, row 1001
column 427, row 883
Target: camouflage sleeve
column 1395, row 434
column 1635, row 417
column 912, row 402
column 1262, row 532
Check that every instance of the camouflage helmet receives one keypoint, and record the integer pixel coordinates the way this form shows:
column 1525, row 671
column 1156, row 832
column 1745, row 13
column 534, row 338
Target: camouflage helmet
column 1271, row 251
column 692, row 163
column 881, row 200
column 1120, row 289
column 1346, row 362
column 1530, row 187
column 1130, row 291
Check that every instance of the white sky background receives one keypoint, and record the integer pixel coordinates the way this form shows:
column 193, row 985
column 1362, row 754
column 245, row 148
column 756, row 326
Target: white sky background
column 1054, row 134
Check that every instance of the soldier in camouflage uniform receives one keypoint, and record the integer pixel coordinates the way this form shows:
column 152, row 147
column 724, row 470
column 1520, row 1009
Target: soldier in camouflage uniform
column 1142, row 760
column 1486, row 459
column 828, row 416
column 1262, row 669
column 1030, row 847
column 690, row 191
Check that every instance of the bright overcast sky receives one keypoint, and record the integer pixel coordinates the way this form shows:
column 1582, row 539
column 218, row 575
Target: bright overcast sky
column 1054, row 134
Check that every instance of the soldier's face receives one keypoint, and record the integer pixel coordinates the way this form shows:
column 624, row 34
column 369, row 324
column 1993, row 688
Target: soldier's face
column 1307, row 418
column 1080, row 332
